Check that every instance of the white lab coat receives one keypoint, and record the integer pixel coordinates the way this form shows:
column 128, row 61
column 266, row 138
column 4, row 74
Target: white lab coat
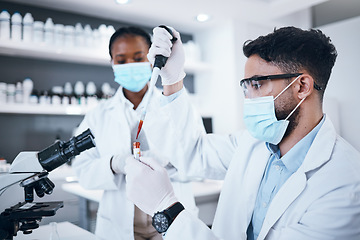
column 108, row 123
column 319, row 201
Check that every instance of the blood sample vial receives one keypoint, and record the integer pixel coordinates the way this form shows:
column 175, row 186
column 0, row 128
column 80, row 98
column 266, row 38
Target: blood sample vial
column 136, row 150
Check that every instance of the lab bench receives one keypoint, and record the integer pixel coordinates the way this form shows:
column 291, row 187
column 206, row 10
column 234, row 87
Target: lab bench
column 65, row 230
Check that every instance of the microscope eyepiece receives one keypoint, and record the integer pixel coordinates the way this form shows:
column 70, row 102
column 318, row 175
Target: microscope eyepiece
column 62, row 152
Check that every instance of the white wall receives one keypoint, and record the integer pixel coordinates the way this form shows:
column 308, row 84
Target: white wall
column 218, row 91
column 344, row 83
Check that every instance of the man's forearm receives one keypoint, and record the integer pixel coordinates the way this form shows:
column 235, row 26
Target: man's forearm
column 171, row 89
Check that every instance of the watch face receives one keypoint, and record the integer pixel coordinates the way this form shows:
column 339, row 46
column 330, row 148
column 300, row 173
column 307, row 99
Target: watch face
column 160, row 222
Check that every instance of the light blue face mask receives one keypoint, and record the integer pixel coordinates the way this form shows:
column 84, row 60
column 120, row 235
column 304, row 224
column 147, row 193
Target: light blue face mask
column 261, row 121
column 132, row 76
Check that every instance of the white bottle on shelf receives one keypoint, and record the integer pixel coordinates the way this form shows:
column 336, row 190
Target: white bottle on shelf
column 34, row 97
column 69, row 36
column 91, row 94
column 57, row 92
column 44, row 98
column 79, row 35
column 49, row 32
column 38, row 36
column 88, row 37
column 103, row 36
column 110, row 32
column 28, row 86
column 79, row 90
column 59, row 35
column 28, row 23
column 96, row 39
column 10, row 93
column 4, row 25
column 2, row 92
column 68, row 90
column 19, row 93
column 106, row 90
column 16, row 27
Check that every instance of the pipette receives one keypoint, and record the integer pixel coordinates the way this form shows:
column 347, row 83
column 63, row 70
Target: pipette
column 158, row 64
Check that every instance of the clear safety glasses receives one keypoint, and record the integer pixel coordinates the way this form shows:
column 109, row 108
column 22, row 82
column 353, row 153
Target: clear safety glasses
column 262, row 85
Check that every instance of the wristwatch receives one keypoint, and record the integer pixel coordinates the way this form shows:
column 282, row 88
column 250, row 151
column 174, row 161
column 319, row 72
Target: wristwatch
column 162, row 220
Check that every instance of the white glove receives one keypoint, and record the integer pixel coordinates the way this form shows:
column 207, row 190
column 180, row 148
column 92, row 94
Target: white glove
column 148, row 185
column 173, row 71
column 117, row 164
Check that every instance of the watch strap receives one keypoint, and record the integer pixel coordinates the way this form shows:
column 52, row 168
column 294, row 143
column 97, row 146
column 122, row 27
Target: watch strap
column 170, row 214
column 174, row 210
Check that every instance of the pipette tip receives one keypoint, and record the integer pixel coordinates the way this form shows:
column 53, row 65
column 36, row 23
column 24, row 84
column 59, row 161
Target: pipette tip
column 139, row 128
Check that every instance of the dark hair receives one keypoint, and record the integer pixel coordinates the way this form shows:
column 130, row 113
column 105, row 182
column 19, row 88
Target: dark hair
column 292, row 49
column 129, row 31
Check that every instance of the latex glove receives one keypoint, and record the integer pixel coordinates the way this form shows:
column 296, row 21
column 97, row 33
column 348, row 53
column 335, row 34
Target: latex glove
column 173, row 71
column 148, row 185
column 117, row 164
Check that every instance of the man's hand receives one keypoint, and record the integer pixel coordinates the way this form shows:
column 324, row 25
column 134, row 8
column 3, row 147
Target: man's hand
column 173, row 71
column 148, row 185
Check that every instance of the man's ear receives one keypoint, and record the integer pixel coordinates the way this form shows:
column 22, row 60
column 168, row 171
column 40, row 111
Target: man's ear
column 306, row 86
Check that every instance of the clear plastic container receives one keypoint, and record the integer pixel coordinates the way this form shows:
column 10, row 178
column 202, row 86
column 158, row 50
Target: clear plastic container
column 4, row 25
column 79, row 35
column 88, row 37
column 10, row 93
column 28, row 86
column 68, row 89
column 49, row 32
column 96, row 39
column 69, row 36
column 91, row 94
column 59, row 35
column 28, row 24
column 19, row 97
column 57, row 93
column 38, row 36
column 104, row 39
column 90, row 88
column 79, row 88
column 2, row 92
column 16, row 27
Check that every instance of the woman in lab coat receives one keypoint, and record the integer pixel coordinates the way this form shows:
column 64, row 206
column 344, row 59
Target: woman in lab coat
column 114, row 124
column 296, row 177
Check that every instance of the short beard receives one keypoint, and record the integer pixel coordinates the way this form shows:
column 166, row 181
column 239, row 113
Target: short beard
column 284, row 108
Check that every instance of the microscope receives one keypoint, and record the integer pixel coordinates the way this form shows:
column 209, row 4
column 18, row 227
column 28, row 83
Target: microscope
column 31, row 169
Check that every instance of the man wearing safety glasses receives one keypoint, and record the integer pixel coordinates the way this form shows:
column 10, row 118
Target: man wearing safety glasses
column 289, row 176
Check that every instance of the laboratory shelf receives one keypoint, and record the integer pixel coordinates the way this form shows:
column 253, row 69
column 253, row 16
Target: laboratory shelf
column 73, row 55
column 46, row 52
column 42, row 109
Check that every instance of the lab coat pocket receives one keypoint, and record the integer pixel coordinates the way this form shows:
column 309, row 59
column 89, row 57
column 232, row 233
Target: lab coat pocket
column 273, row 234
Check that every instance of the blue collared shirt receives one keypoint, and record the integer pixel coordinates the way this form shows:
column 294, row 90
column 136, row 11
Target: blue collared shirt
column 168, row 99
column 277, row 171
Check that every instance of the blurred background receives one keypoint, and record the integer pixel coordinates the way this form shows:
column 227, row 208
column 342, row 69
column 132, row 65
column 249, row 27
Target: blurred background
column 76, row 62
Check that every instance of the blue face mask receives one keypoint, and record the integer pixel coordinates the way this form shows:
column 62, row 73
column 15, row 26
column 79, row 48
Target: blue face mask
column 261, row 121
column 132, row 76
